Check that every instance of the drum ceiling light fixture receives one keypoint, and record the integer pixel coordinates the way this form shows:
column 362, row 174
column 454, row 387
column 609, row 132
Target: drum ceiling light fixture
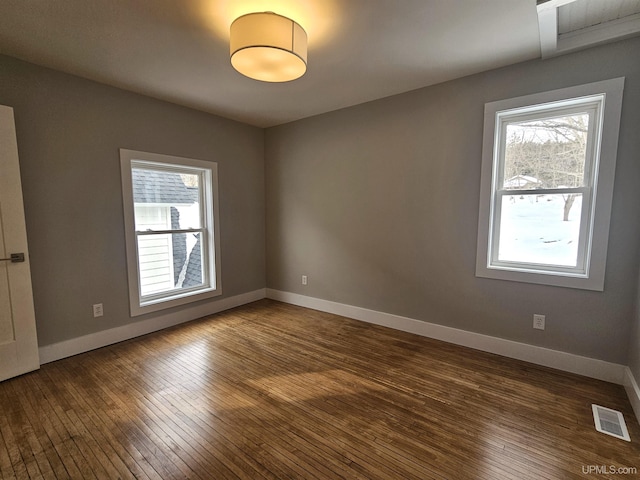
column 268, row 47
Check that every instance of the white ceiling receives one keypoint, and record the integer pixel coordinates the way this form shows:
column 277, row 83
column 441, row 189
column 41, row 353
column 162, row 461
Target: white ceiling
column 359, row 50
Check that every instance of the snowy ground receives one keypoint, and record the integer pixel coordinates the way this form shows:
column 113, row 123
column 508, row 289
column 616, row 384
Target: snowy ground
column 532, row 230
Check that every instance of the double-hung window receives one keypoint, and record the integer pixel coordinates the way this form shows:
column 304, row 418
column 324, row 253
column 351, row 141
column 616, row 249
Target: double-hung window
column 171, row 226
column 547, row 183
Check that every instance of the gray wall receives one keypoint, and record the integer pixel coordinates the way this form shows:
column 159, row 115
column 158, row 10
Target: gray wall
column 69, row 131
column 378, row 205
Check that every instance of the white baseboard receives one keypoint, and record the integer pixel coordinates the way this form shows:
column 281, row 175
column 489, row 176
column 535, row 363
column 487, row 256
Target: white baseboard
column 568, row 362
column 74, row 346
column 633, row 391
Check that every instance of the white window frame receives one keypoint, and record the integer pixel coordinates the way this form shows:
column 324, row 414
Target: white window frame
column 209, row 230
column 603, row 101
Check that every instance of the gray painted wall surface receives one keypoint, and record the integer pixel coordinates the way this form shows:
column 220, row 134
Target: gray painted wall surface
column 378, row 205
column 69, row 131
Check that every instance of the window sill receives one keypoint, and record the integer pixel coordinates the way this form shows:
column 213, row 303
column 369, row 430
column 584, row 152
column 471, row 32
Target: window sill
column 555, row 279
column 173, row 301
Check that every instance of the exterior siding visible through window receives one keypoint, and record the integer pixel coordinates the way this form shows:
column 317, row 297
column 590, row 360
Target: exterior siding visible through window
column 155, row 254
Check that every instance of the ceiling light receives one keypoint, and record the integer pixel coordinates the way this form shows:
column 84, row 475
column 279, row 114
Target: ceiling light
column 268, row 47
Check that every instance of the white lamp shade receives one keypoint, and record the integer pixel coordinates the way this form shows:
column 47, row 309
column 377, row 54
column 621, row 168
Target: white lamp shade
column 268, row 47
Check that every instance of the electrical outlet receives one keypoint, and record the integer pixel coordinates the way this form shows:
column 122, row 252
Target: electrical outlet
column 98, row 310
column 538, row 321
column 304, row 279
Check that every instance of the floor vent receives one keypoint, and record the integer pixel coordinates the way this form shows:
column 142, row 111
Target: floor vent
column 610, row 422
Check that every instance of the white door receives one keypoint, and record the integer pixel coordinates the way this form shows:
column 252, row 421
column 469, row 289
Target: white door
column 18, row 341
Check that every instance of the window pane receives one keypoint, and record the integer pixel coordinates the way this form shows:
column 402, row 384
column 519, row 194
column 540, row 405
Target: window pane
column 165, row 200
column 169, row 262
column 541, row 229
column 546, row 153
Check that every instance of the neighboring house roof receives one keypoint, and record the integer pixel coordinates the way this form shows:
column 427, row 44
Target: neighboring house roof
column 150, row 186
column 187, row 269
column 520, row 181
column 194, row 193
column 193, row 276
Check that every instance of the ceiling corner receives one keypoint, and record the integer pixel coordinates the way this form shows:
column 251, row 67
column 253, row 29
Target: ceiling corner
column 569, row 25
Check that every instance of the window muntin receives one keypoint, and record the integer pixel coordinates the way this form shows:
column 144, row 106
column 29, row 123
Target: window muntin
column 516, row 239
column 171, row 224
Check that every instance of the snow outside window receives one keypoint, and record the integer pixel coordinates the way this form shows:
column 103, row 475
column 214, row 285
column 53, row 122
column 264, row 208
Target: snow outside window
column 171, row 227
column 547, row 182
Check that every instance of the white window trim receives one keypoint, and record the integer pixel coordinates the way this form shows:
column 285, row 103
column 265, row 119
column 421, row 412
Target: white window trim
column 592, row 276
column 211, row 255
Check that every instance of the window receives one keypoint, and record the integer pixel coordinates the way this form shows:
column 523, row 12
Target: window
column 547, row 183
column 171, row 226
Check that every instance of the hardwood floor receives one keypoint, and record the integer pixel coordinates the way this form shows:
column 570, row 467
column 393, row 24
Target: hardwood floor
column 270, row 390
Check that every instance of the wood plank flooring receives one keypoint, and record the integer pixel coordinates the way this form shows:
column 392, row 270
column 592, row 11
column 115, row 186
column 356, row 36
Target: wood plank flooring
column 273, row 391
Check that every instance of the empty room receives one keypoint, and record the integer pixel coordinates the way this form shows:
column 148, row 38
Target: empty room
column 320, row 239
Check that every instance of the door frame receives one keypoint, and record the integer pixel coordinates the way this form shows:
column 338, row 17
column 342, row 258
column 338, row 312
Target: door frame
column 21, row 355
